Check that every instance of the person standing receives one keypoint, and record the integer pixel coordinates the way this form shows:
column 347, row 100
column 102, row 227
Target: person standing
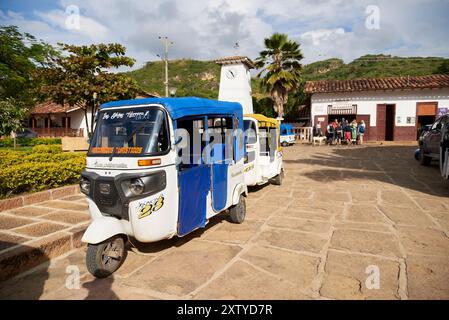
column 354, row 132
column 361, row 131
column 330, row 134
column 347, row 131
column 339, row 133
column 319, row 132
column 343, row 129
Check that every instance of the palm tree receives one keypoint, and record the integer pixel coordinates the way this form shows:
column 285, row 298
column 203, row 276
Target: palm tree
column 280, row 69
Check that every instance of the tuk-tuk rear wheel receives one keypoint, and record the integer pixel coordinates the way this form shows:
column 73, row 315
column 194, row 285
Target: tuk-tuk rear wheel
column 284, row 144
column 237, row 213
column 105, row 258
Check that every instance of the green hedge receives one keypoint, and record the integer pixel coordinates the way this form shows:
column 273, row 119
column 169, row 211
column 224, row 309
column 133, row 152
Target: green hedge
column 28, row 142
column 53, row 148
column 41, row 168
column 35, row 176
column 9, row 159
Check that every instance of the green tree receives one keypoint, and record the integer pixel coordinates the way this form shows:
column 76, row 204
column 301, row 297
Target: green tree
column 264, row 106
column 280, row 68
column 11, row 114
column 443, row 68
column 80, row 77
column 20, row 55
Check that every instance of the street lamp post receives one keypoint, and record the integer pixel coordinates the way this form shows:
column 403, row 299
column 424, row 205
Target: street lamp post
column 166, row 43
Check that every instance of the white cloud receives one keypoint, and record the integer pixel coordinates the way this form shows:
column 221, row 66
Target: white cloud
column 85, row 27
column 209, row 29
column 320, row 35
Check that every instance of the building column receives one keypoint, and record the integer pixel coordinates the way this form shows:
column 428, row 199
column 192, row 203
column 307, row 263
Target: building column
column 66, row 124
column 49, row 125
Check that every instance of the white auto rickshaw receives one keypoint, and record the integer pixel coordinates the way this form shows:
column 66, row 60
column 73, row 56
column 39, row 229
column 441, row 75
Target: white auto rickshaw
column 263, row 160
column 158, row 168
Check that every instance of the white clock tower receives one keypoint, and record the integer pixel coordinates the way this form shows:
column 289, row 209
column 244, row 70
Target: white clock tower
column 235, row 81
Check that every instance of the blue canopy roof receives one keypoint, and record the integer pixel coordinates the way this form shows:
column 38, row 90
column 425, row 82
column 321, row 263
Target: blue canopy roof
column 184, row 107
column 287, row 127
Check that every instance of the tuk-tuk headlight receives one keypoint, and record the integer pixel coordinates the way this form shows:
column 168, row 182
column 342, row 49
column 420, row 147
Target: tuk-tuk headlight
column 85, row 185
column 145, row 185
column 136, row 186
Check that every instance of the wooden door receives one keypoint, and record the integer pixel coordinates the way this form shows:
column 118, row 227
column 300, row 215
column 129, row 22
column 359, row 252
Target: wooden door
column 323, row 123
column 366, row 119
column 381, row 121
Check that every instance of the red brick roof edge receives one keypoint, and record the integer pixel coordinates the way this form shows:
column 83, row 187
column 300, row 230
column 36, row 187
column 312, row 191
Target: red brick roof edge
column 391, row 83
column 236, row 59
column 52, row 108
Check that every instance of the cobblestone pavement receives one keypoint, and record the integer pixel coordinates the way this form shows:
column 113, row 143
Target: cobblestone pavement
column 341, row 215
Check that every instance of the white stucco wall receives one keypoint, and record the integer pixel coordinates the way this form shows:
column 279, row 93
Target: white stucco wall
column 237, row 89
column 367, row 102
column 78, row 121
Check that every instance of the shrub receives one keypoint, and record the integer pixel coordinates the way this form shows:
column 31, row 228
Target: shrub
column 28, row 142
column 45, row 166
column 15, row 158
column 54, row 148
column 35, row 176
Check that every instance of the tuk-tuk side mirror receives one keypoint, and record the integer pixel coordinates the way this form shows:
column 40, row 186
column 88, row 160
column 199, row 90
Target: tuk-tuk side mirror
column 177, row 141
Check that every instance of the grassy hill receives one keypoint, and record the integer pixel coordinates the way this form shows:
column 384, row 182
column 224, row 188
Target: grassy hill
column 373, row 66
column 201, row 78
column 189, row 77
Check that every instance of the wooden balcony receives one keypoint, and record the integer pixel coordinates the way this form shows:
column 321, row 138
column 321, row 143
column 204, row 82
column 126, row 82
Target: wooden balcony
column 59, row 132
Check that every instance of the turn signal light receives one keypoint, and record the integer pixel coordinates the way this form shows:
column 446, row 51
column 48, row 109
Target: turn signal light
column 149, row 162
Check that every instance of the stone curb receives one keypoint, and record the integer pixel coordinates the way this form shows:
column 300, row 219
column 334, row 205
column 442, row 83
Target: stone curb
column 41, row 196
column 24, row 257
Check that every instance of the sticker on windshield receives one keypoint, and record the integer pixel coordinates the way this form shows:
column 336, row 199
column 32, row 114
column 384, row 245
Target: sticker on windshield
column 141, row 115
column 118, row 150
column 151, row 206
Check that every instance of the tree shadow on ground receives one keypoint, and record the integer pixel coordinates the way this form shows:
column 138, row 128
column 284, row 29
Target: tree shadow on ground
column 393, row 165
column 15, row 282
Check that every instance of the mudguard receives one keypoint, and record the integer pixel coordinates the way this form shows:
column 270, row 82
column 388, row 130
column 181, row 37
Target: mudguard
column 104, row 228
column 241, row 188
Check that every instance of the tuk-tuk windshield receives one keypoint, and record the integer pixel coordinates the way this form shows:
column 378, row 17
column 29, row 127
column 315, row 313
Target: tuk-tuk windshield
column 127, row 132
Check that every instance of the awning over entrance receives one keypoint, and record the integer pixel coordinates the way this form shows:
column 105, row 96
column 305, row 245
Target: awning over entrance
column 341, row 109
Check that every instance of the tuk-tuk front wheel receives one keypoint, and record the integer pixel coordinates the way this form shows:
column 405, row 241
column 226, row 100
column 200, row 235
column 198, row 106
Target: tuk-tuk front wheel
column 237, row 213
column 284, row 144
column 105, row 258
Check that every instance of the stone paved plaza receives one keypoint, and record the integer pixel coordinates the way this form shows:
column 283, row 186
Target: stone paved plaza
column 340, row 214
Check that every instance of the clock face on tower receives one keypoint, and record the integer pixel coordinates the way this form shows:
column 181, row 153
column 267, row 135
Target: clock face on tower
column 231, row 73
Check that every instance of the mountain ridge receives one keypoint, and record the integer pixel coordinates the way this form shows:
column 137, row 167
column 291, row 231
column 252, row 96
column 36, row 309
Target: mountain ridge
column 201, row 78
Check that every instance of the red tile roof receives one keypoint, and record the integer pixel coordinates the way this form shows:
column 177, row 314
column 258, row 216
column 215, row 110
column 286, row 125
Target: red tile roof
column 51, row 108
column 236, row 59
column 393, row 83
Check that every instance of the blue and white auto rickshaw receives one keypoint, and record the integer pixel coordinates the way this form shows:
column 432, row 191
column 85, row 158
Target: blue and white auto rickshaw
column 287, row 135
column 158, row 168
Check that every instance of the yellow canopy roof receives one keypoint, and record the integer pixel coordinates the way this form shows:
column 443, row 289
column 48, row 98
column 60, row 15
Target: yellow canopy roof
column 267, row 122
column 261, row 118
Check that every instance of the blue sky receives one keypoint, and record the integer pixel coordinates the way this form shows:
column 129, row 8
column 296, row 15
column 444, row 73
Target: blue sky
column 343, row 29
